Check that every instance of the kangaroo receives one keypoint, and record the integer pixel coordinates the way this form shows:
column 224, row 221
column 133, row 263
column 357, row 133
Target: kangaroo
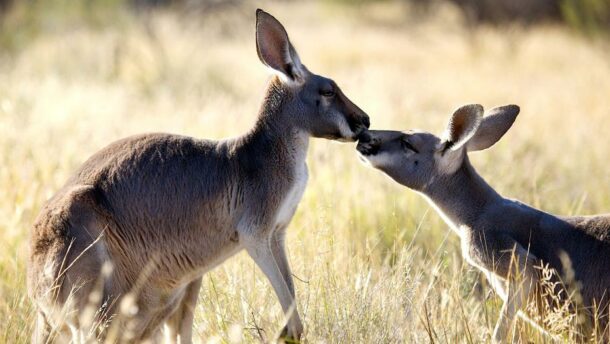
column 164, row 209
column 497, row 234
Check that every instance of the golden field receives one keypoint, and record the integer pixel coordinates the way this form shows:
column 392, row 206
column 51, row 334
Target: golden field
column 373, row 262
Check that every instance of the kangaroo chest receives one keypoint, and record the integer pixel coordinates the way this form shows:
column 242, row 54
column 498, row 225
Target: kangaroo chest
column 291, row 199
column 497, row 282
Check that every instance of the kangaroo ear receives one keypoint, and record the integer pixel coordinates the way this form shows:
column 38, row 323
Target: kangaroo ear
column 274, row 48
column 462, row 126
column 493, row 127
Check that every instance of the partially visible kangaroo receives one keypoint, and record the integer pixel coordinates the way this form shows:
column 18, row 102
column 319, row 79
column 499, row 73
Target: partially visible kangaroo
column 496, row 233
column 164, row 209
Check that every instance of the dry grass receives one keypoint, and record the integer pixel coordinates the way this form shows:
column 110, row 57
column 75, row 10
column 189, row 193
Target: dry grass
column 374, row 263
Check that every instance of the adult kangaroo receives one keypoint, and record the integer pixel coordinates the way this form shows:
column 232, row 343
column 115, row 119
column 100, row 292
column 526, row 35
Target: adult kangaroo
column 164, row 209
column 506, row 239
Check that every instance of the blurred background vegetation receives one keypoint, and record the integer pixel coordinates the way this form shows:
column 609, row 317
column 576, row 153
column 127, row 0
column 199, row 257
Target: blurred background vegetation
column 22, row 20
column 375, row 263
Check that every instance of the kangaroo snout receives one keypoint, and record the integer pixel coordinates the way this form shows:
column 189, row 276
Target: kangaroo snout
column 367, row 144
column 363, row 122
column 358, row 125
column 364, row 137
column 357, row 119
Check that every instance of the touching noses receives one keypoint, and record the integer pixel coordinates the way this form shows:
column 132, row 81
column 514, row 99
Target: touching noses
column 367, row 144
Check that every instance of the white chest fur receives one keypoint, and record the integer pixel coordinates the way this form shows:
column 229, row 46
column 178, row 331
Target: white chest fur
column 293, row 196
column 497, row 283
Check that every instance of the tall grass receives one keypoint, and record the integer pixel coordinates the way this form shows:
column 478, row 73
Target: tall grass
column 373, row 262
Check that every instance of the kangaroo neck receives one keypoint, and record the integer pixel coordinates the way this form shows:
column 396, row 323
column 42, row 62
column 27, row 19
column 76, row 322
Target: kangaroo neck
column 461, row 198
column 276, row 136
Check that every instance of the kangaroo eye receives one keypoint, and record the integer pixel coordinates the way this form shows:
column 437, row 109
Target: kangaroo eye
column 327, row 93
column 406, row 145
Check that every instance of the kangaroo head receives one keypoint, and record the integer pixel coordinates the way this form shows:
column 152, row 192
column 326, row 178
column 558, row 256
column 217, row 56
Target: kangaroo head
column 310, row 102
column 414, row 158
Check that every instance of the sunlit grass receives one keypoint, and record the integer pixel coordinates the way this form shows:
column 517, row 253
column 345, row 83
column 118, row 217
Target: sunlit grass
column 373, row 262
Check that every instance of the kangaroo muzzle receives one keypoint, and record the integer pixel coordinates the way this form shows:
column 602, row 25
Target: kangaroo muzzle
column 357, row 120
column 368, row 145
column 358, row 124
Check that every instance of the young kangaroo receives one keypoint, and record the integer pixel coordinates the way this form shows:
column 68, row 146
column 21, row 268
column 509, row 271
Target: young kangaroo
column 164, row 209
column 497, row 234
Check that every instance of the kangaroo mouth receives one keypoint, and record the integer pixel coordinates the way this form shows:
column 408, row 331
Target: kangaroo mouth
column 347, row 138
column 352, row 134
column 338, row 136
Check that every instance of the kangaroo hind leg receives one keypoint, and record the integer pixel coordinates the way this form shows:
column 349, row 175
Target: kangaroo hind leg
column 179, row 327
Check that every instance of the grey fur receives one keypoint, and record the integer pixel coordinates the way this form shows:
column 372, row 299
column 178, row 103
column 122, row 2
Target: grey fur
column 164, row 209
column 499, row 236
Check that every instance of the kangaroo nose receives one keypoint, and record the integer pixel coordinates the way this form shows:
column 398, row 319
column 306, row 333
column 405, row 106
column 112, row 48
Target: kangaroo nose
column 368, row 145
column 359, row 121
column 364, row 137
column 366, row 121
